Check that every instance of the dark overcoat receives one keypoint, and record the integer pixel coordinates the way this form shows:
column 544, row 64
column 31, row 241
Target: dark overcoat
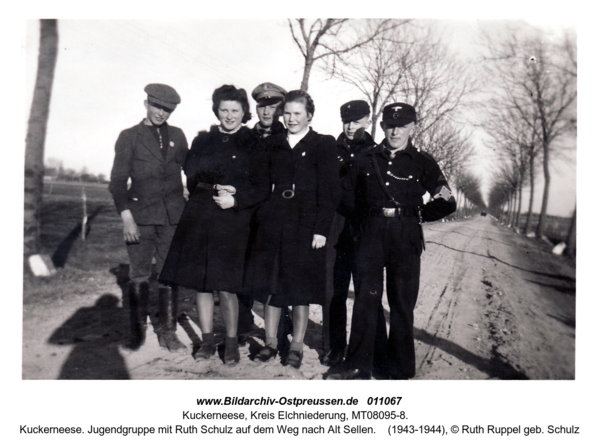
column 209, row 246
column 282, row 260
column 156, row 183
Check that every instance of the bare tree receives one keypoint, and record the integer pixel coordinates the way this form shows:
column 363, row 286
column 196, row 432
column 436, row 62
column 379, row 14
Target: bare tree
column 411, row 64
column 36, row 136
column 324, row 38
column 377, row 67
column 536, row 78
column 468, row 186
column 515, row 142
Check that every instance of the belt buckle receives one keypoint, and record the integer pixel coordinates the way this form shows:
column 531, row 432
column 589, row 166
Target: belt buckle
column 389, row 212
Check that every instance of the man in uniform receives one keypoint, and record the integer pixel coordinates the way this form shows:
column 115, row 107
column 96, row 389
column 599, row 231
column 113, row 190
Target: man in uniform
column 392, row 179
column 353, row 141
column 269, row 99
column 150, row 154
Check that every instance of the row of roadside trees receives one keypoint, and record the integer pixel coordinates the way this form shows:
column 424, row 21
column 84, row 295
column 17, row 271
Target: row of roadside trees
column 530, row 116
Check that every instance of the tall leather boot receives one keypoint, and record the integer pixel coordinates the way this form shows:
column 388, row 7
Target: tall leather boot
column 167, row 318
column 138, row 313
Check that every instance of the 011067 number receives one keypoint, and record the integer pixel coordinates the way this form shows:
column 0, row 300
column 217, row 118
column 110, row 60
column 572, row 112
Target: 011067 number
column 384, row 401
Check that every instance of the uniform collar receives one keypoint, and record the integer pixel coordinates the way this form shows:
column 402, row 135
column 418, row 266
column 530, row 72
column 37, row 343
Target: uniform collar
column 410, row 150
column 276, row 128
column 352, row 146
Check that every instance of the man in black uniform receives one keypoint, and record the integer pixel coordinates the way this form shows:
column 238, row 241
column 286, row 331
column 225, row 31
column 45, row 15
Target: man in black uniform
column 269, row 100
column 392, row 179
column 353, row 141
column 151, row 155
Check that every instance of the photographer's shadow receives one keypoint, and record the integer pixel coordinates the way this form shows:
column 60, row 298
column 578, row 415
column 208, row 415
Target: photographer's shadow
column 96, row 333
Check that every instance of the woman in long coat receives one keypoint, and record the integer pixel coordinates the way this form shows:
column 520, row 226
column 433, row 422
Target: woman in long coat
column 223, row 170
column 287, row 261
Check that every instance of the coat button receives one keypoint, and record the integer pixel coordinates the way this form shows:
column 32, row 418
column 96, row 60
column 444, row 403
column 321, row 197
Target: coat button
column 387, row 184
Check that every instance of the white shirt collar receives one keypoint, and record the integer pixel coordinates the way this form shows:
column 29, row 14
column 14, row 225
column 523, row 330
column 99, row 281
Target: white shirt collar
column 293, row 139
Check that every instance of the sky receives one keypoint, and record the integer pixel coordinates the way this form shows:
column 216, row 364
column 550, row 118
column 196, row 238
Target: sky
column 103, row 66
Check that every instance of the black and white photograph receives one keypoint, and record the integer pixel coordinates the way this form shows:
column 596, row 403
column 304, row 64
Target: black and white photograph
column 259, row 203
column 190, row 251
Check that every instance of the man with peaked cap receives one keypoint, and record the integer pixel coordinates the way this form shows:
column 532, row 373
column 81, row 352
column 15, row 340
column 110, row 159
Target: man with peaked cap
column 391, row 181
column 351, row 142
column 269, row 99
column 151, row 155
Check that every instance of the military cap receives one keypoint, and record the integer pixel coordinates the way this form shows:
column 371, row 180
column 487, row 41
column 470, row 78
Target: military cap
column 398, row 114
column 354, row 110
column 268, row 94
column 163, row 95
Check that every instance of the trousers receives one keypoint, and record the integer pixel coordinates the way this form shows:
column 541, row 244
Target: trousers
column 155, row 241
column 393, row 245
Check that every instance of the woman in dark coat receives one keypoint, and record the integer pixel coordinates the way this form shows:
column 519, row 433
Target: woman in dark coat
column 209, row 246
column 287, row 262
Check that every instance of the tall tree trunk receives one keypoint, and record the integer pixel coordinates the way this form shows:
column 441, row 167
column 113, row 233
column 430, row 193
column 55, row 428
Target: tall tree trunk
column 531, row 190
column 374, row 118
column 308, row 63
column 36, row 136
column 519, row 203
column 572, row 236
column 546, row 162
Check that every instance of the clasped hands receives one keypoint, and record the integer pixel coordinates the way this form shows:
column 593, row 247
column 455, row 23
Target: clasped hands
column 225, row 197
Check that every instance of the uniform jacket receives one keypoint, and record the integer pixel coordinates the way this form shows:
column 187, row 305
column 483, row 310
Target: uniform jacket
column 156, row 193
column 407, row 177
column 348, row 153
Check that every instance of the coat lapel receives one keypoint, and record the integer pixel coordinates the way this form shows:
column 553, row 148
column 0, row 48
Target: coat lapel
column 148, row 141
column 173, row 148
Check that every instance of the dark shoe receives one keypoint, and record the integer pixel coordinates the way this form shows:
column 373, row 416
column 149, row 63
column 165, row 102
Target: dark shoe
column 138, row 313
column 266, row 354
column 294, row 359
column 348, row 375
column 232, row 352
column 167, row 317
column 206, row 351
column 170, row 341
column 333, row 358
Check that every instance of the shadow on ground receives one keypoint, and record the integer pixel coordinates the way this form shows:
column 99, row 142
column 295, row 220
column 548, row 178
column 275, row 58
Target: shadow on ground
column 96, row 333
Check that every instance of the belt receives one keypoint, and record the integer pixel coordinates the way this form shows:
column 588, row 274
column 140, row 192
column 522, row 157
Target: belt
column 395, row 212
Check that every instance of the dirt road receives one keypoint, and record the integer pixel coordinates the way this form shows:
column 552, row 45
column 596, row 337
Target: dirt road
column 492, row 305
